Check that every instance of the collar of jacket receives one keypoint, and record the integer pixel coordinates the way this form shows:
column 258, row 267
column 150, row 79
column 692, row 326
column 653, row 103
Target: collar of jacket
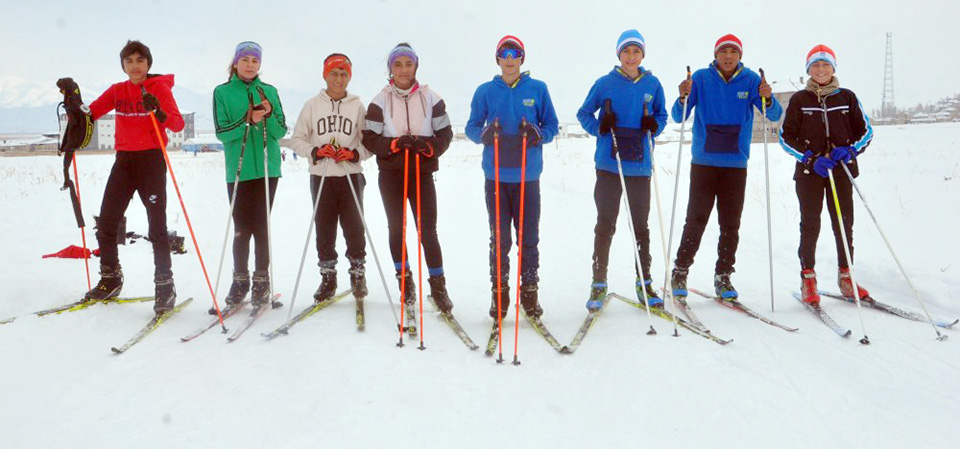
column 826, row 90
column 335, row 104
column 619, row 71
column 716, row 69
column 524, row 76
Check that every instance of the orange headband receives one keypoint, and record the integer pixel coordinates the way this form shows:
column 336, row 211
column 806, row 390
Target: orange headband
column 336, row 62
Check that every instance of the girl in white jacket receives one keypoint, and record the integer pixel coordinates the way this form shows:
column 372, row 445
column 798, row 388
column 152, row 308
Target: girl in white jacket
column 328, row 134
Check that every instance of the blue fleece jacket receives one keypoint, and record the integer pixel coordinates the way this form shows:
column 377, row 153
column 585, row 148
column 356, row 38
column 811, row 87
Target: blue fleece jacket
column 627, row 97
column 495, row 100
column 723, row 115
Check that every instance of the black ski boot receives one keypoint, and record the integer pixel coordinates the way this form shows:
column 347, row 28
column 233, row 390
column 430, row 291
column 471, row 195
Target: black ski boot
column 504, row 299
column 358, row 278
column 528, row 299
column 238, row 290
column 328, row 284
column 165, row 293
column 724, row 288
column 438, row 290
column 645, row 287
column 678, row 283
column 260, row 290
column 410, row 290
column 111, row 282
column 598, row 292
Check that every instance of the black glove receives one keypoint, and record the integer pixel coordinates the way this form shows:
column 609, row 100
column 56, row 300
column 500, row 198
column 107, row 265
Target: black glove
column 151, row 103
column 489, row 131
column 532, row 132
column 608, row 122
column 425, row 146
column 648, row 123
column 404, row 142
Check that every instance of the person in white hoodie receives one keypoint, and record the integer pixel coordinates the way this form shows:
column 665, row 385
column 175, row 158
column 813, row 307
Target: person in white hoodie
column 328, row 134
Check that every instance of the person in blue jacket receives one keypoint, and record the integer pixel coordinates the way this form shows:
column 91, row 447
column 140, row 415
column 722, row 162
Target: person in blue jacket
column 722, row 96
column 632, row 106
column 513, row 105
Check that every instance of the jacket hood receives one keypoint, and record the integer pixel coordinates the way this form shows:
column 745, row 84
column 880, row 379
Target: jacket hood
column 524, row 77
column 346, row 100
column 166, row 80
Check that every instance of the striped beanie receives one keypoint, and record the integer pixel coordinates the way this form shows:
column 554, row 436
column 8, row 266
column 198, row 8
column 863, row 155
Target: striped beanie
column 821, row 53
column 402, row 49
column 728, row 40
column 247, row 48
column 631, row 37
column 337, row 61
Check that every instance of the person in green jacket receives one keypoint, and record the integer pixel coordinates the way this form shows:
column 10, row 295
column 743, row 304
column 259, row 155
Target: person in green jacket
column 245, row 109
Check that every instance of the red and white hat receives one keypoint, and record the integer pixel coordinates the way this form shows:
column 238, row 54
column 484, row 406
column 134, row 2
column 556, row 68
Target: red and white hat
column 513, row 41
column 821, row 53
column 728, row 40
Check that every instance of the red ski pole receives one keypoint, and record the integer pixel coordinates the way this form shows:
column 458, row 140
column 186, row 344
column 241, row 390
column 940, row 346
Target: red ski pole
column 83, row 229
column 523, row 183
column 496, row 198
column 419, row 254
column 196, row 246
column 403, row 239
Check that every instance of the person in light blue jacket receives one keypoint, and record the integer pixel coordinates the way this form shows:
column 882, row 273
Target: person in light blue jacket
column 723, row 97
column 513, row 106
column 632, row 109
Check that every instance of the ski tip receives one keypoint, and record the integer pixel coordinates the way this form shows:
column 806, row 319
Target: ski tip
column 116, row 350
column 847, row 334
column 566, row 350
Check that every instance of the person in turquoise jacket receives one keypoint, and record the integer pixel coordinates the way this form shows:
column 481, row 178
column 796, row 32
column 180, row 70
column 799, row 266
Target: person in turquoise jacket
column 723, row 97
column 513, row 105
column 244, row 110
column 632, row 108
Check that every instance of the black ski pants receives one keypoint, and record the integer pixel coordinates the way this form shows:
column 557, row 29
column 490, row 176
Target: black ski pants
column 250, row 221
column 144, row 172
column 391, row 191
column 337, row 205
column 708, row 185
column 811, row 191
column 606, row 195
column 510, row 215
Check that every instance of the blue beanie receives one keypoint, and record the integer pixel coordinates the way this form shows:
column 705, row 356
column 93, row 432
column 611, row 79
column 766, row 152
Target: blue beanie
column 631, row 37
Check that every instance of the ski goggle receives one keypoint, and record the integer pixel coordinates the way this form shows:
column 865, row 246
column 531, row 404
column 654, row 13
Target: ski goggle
column 514, row 53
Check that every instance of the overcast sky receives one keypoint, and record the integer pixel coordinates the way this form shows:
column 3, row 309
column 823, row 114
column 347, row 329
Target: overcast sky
column 569, row 43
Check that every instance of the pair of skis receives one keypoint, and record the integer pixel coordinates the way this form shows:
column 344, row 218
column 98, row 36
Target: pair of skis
column 537, row 325
column 80, row 305
column 869, row 302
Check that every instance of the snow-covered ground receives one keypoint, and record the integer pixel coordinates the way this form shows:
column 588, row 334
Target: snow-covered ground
column 328, row 385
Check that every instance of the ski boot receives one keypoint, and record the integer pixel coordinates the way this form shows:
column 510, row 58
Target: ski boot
column 646, row 287
column 598, row 292
column 165, row 293
column 724, row 288
column 111, row 282
column 504, row 299
column 405, row 281
column 328, row 283
column 238, row 290
column 358, row 279
column 846, row 285
column 528, row 299
column 808, row 287
column 438, row 290
column 260, row 290
column 678, row 283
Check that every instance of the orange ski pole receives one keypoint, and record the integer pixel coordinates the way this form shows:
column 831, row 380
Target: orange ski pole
column 523, row 183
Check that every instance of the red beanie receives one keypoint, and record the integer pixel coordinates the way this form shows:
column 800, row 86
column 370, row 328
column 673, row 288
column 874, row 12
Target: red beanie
column 821, row 53
column 728, row 40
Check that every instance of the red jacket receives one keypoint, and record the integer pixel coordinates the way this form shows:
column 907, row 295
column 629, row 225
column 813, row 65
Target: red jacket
column 134, row 129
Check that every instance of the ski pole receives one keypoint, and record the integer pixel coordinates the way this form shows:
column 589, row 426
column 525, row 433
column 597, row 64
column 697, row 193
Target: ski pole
column 863, row 198
column 196, row 246
column 496, row 197
column 626, row 204
column 843, row 231
column 419, row 253
column 83, row 229
column 403, row 239
column 306, row 243
column 373, row 249
column 673, row 211
column 233, row 202
column 656, row 190
column 523, row 184
column 766, row 169
column 846, row 252
column 267, row 205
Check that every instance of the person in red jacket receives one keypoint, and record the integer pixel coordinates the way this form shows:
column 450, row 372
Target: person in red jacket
column 139, row 167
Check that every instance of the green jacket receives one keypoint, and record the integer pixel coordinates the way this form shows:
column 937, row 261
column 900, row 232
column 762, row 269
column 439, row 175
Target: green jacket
column 231, row 100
